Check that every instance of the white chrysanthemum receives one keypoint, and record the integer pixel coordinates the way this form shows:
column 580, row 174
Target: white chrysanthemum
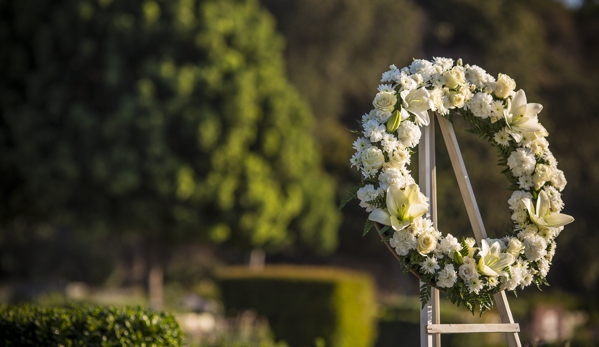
column 429, row 265
column 391, row 75
column 555, row 198
column 408, row 134
column 521, row 162
column 515, row 201
column 502, row 137
column 535, row 247
column 477, row 76
column 389, row 143
column 374, row 130
column 450, row 244
column 423, row 67
column 474, row 285
column 367, row 117
column 368, row 193
column 480, row 105
column 468, row 271
column 387, row 88
column 381, row 116
column 539, row 146
column 406, row 83
column 497, row 108
column 402, row 241
column 525, row 182
column 422, row 225
column 559, row 180
column 356, row 160
column 543, row 265
column 447, row 277
column 391, row 176
column 361, row 144
column 443, row 63
column 551, row 251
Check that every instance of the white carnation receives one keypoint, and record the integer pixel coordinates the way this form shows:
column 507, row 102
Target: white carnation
column 480, row 105
column 443, row 63
column 402, row 241
column 368, row 193
column 515, row 201
column 447, row 277
column 535, row 247
column 521, row 162
column 559, row 180
column 408, row 134
column 477, row 76
column 450, row 244
column 391, row 176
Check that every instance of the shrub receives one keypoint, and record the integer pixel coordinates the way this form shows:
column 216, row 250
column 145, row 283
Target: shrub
column 306, row 303
column 87, row 326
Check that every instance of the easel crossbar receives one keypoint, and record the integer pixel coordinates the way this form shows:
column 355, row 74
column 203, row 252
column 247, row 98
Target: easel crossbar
column 472, row 328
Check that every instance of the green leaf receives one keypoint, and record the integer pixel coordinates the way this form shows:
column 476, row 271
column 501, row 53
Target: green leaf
column 367, row 226
column 383, row 229
column 425, row 294
column 349, row 196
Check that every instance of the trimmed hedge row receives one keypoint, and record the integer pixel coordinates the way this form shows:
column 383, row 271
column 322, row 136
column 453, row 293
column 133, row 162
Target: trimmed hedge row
column 87, row 326
column 306, row 303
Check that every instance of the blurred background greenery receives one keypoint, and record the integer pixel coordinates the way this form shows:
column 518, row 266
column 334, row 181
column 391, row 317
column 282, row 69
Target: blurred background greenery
column 145, row 145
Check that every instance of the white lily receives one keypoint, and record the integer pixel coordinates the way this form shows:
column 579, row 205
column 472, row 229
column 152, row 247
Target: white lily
column 542, row 216
column 403, row 206
column 521, row 117
column 417, row 102
column 492, row 262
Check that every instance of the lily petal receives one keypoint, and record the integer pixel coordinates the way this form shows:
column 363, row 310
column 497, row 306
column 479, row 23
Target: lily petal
column 555, row 220
column 543, row 204
column 396, row 200
column 380, row 216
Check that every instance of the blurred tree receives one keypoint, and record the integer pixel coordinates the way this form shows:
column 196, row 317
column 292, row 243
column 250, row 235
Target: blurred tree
column 336, row 52
column 170, row 120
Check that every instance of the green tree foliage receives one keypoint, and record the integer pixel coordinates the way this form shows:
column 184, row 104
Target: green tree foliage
column 168, row 119
column 334, row 49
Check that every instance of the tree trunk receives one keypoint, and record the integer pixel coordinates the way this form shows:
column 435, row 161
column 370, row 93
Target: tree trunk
column 155, row 274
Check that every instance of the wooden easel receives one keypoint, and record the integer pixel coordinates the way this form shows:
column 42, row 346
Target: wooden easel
column 430, row 326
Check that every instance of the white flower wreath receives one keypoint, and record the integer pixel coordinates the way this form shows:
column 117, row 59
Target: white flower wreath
column 468, row 273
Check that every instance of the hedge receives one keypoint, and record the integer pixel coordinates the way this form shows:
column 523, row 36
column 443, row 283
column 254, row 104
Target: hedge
column 87, row 326
column 306, row 303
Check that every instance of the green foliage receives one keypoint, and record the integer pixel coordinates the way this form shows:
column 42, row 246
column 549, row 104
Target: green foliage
column 304, row 303
column 167, row 118
column 87, row 326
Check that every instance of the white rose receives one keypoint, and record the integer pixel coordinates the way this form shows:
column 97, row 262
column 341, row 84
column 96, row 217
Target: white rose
column 456, row 100
column 373, row 158
column 454, row 77
column 504, row 86
column 467, row 272
column 514, row 247
column 385, row 101
column 543, row 173
column 427, row 243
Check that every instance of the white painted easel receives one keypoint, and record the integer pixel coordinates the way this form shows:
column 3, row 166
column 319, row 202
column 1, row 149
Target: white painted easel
column 430, row 327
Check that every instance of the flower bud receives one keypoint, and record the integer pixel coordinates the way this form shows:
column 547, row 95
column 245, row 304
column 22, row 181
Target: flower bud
column 394, row 121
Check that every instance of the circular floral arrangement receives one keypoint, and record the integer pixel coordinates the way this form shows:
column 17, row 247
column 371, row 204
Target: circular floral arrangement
column 468, row 273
